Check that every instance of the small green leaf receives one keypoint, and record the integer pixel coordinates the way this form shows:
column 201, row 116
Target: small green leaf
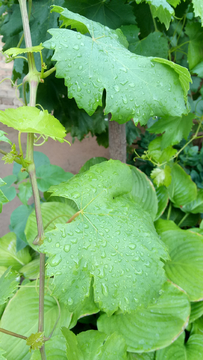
column 174, row 128
column 166, row 318
column 8, row 254
column 102, row 242
column 182, row 189
column 92, row 344
column 160, row 9
column 18, row 51
column 161, row 176
column 131, row 83
column 29, row 119
column 4, row 138
column 8, row 284
column 186, row 251
column 55, row 349
column 35, row 341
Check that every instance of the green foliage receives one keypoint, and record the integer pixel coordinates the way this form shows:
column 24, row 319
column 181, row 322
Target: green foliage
column 123, row 275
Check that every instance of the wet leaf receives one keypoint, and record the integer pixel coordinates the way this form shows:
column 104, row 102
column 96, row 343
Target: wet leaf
column 110, row 240
column 124, row 76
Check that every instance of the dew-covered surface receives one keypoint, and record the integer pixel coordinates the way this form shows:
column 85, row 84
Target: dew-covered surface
column 111, row 241
column 97, row 58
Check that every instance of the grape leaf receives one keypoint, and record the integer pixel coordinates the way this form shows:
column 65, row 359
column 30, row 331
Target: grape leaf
column 103, row 244
column 124, row 75
column 18, row 51
column 160, row 9
column 48, row 175
column 4, row 138
column 198, row 9
column 18, row 221
column 32, row 120
column 25, row 192
column 8, row 190
column 35, row 341
column 174, row 128
column 112, row 13
column 55, row 349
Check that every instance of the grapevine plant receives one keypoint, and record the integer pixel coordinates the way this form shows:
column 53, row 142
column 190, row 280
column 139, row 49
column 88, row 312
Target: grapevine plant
column 97, row 268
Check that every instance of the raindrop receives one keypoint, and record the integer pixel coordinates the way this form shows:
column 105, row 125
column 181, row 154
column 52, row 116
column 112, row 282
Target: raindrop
column 104, row 290
column 56, row 260
column 57, row 245
column 116, row 87
column 70, row 301
column 132, row 246
column 76, row 47
column 66, row 248
column 80, row 67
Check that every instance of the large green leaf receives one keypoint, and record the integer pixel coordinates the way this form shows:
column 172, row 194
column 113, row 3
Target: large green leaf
column 174, row 128
column 90, row 345
column 8, row 254
column 186, row 251
column 21, row 316
column 182, row 189
column 8, row 284
column 52, row 213
column 112, row 13
column 143, row 192
column 192, row 350
column 153, row 327
column 55, row 349
column 29, row 119
column 131, row 81
column 196, row 310
column 111, row 241
column 198, row 9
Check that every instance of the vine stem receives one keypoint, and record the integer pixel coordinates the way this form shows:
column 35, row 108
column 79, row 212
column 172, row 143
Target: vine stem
column 183, row 219
column 33, row 78
column 13, row 334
